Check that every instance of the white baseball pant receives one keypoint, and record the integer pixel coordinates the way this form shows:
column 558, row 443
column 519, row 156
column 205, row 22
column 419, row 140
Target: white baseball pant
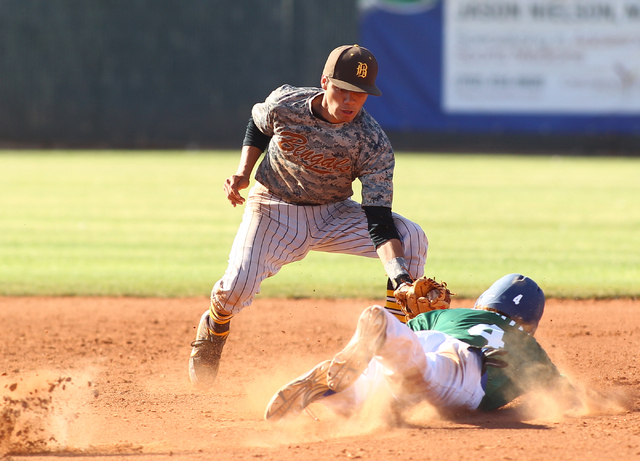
column 274, row 233
column 417, row 366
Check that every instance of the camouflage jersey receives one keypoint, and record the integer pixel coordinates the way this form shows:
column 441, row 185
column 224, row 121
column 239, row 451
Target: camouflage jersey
column 528, row 366
column 312, row 162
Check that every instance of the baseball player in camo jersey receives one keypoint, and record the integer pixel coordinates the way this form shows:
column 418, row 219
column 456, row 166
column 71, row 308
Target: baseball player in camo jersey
column 318, row 141
column 455, row 359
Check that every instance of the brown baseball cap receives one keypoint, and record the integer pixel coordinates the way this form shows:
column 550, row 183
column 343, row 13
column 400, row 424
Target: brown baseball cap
column 353, row 68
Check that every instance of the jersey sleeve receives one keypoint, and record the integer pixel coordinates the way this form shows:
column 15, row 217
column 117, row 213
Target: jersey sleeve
column 528, row 368
column 376, row 166
column 263, row 113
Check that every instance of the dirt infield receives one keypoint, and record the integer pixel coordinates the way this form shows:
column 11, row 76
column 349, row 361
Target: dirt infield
column 87, row 378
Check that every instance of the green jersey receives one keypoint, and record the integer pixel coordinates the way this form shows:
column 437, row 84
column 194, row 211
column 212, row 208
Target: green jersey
column 528, row 365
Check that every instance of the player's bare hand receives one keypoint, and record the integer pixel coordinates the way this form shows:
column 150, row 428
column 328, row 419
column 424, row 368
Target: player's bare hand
column 232, row 187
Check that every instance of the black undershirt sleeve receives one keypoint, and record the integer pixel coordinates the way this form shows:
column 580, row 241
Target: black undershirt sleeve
column 381, row 225
column 254, row 137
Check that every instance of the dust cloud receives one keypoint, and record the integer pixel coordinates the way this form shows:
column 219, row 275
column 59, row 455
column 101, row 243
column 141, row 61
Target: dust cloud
column 40, row 409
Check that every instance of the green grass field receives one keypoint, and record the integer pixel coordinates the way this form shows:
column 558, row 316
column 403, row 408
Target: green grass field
column 158, row 224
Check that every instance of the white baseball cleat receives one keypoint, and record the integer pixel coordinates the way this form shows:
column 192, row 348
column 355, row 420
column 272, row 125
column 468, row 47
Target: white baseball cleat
column 292, row 399
column 353, row 360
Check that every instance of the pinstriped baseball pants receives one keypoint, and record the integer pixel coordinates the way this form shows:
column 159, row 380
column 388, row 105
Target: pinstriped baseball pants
column 274, row 233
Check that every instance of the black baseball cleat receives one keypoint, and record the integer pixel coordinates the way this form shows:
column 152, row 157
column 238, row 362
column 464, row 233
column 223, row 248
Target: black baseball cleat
column 205, row 355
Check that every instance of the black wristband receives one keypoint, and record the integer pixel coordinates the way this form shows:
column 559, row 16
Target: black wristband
column 400, row 279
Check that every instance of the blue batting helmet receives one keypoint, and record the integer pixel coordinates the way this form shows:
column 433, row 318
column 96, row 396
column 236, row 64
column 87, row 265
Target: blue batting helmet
column 516, row 296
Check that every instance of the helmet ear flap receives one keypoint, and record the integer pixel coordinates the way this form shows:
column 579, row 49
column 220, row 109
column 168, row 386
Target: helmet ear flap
column 517, row 297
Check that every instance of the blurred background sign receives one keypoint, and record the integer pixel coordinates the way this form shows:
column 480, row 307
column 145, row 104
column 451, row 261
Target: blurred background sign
column 495, row 74
column 541, row 56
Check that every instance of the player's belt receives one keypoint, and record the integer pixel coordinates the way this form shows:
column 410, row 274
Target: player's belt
column 303, row 203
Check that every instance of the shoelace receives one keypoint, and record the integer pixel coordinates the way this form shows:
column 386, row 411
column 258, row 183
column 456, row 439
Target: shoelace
column 310, row 413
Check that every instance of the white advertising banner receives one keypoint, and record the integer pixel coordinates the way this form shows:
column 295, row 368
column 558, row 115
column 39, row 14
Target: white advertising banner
column 542, row 56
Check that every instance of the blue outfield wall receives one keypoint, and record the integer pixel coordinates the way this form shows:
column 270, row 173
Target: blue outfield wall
column 410, row 51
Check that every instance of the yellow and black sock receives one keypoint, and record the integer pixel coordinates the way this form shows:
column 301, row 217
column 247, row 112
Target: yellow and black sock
column 218, row 323
column 391, row 304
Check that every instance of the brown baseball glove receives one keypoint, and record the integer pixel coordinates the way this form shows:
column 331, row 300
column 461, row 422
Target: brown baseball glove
column 423, row 295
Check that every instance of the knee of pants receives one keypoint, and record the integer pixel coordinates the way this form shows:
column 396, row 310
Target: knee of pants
column 230, row 301
column 415, row 245
column 402, row 349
